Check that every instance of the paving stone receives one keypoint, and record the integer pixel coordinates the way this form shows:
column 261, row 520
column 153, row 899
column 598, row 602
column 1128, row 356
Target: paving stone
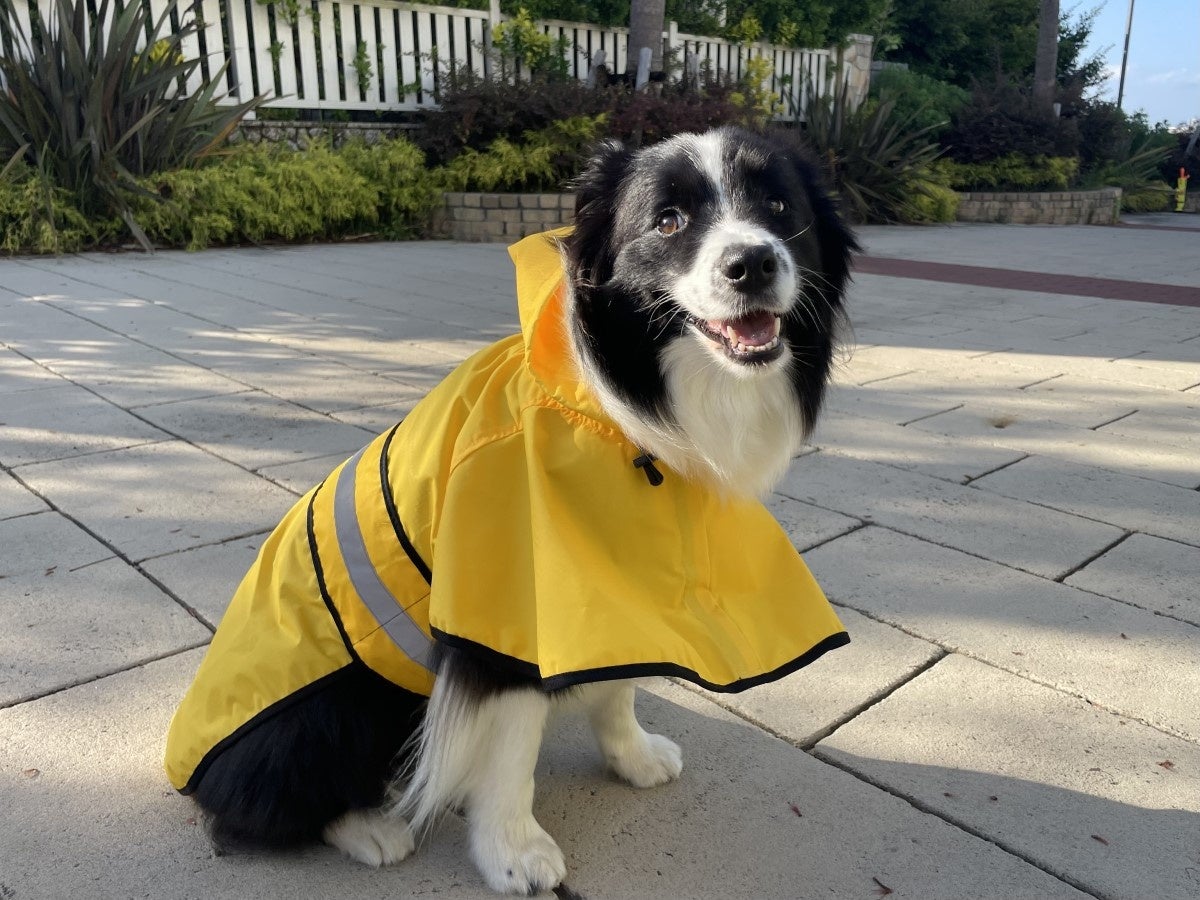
column 1129, row 502
column 327, row 385
column 1176, row 427
column 18, row 374
column 942, row 457
column 63, row 627
column 1144, row 373
column 996, row 426
column 1057, row 635
column 752, row 813
column 89, row 829
column 46, row 543
column 1149, row 572
column 299, row 477
column 804, row 706
column 66, row 421
column 1001, row 394
column 1078, row 790
column 1037, row 540
column 871, row 403
column 808, row 525
column 255, row 430
column 378, row 419
column 157, row 498
column 139, row 376
column 100, row 819
column 16, row 499
column 205, row 577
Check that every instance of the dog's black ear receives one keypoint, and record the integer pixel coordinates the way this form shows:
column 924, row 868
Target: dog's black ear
column 589, row 247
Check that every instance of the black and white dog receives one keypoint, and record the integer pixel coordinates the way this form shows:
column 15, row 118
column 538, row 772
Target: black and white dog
column 704, row 285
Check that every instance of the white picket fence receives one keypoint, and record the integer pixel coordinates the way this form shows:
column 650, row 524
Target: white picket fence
column 385, row 55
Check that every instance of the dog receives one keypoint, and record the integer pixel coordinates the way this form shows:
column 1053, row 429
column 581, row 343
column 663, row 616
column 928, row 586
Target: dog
column 587, row 494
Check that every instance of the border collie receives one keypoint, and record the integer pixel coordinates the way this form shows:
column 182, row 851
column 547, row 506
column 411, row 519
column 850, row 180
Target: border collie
column 701, row 295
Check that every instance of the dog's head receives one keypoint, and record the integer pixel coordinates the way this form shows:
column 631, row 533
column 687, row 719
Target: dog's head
column 707, row 274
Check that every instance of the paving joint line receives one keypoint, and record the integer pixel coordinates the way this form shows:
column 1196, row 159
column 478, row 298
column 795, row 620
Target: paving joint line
column 859, row 525
column 1000, row 468
column 809, row 745
column 1027, row 676
column 806, row 745
column 113, row 548
column 249, row 387
column 930, row 415
column 955, row 822
column 1026, row 387
column 1113, row 421
column 87, row 453
column 1061, row 579
column 138, row 664
column 189, row 362
column 1080, row 515
column 871, row 381
column 237, row 537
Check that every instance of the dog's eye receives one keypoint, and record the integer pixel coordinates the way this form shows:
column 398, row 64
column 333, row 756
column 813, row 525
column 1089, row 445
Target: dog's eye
column 776, row 206
column 670, row 221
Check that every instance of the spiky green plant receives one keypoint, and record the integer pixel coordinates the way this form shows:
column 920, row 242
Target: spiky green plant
column 879, row 160
column 96, row 99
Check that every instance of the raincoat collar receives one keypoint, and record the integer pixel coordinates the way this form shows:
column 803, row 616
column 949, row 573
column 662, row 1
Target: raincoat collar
column 542, row 303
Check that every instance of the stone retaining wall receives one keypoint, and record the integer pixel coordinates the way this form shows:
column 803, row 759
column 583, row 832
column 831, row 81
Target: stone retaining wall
column 501, row 217
column 509, row 217
column 1100, row 207
column 299, row 134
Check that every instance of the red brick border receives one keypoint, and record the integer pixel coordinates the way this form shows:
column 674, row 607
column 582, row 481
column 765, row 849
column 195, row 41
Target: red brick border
column 1019, row 280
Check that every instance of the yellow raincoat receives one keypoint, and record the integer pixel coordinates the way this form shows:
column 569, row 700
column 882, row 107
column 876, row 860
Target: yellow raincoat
column 554, row 554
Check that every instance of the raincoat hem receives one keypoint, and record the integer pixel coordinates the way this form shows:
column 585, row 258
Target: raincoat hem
column 565, row 680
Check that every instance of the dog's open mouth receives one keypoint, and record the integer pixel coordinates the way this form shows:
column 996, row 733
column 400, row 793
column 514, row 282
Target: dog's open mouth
column 752, row 338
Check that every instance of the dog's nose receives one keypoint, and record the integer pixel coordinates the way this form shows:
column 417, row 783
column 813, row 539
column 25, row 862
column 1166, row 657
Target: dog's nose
column 749, row 267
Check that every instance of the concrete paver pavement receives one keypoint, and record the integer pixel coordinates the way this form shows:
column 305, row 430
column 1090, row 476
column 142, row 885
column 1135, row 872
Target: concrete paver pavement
column 1002, row 500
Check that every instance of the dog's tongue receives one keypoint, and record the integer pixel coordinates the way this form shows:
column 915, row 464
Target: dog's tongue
column 753, row 330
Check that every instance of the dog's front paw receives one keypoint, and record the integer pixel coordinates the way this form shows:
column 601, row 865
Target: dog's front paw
column 370, row 836
column 649, row 762
column 518, row 857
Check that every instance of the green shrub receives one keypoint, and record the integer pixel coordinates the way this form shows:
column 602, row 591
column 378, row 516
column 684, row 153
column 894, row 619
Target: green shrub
column 542, row 160
column 924, row 101
column 522, row 46
column 474, row 112
column 95, row 110
column 1155, row 198
column 1000, row 120
column 395, row 170
column 643, row 117
column 932, row 201
column 260, row 193
column 36, row 216
column 1013, row 172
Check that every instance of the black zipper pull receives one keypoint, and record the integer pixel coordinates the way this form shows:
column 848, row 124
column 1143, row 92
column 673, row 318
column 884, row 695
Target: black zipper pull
column 645, row 462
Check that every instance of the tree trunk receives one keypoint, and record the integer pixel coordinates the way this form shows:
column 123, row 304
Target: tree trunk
column 645, row 30
column 1045, row 67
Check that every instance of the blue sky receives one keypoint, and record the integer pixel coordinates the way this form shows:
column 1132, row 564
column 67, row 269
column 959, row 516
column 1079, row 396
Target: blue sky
column 1163, row 73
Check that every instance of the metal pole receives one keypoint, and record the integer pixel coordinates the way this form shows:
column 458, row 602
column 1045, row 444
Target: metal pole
column 1125, row 55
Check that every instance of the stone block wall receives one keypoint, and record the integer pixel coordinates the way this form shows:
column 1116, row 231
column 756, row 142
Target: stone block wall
column 298, row 134
column 501, row 217
column 1100, row 207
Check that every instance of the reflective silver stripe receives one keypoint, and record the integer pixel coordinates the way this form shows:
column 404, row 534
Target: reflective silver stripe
column 404, row 632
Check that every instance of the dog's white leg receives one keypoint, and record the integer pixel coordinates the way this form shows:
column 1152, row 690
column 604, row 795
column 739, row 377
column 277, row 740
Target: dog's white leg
column 513, row 852
column 642, row 759
column 372, row 836
column 480, row 752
